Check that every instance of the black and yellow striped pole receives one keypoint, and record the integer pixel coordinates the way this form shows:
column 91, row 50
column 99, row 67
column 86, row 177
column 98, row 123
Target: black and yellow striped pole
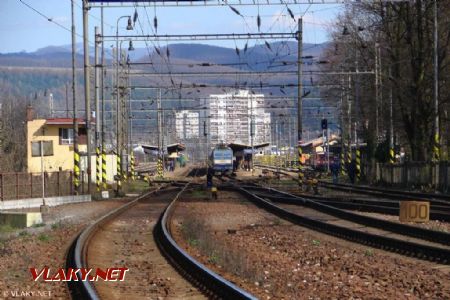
column 436, row 148
column 358, row 164
column 132, row 166
column 300, row 167
column 104, row 166
column 391, row 155
column 299, row 101
column 124, row 173
column 76, row 169
column 391, row 123
column 76, row 154
column 343, row 171
column 98, row 169
column 349, row 154
column 119, row 171
column 159, row 168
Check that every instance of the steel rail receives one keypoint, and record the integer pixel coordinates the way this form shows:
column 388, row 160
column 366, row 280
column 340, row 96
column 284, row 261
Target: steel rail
column 386, row 193
column 197, row 272
column 403, row 229
column 437, row 212
column 390, row 244
column 414, row 195
column 383, row 209
column 199, row 275
column 77, row 254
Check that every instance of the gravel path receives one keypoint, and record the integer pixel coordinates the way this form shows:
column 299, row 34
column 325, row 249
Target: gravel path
column 280, row 260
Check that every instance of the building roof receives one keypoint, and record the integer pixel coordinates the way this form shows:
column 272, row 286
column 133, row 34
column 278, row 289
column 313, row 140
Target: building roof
column 240, row 147
column 170, row 148
column 65, row 121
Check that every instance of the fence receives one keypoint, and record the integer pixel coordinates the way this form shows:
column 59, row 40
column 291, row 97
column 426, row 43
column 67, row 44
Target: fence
column 415, row 174
column 29, row 185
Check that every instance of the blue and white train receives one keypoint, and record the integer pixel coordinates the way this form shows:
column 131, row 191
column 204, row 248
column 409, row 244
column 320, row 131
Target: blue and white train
column 221, row 160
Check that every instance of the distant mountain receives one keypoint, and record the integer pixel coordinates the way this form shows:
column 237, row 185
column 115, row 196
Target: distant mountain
column 52, row 50
column 46, row 71
column 255, row 58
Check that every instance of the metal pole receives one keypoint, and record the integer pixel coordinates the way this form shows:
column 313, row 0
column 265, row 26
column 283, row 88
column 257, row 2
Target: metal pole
column 130, row 129
column 252, row 132
column 67, row 101
column 436, row 146
column 289, row 144
column 391, row 122
column 97, row 110
column 160, row 151
column 380, row 90
column 42, row 170
column 343, row 171
column 357, row 150
column 349, row 121
column 328, row 150
column 103, row 109
column 76, row 154
column 87, row 96
column 118, row 111
column 123, row 123
column 130, row 117
column 163, row 140
column 299, row 99
column 377, row 99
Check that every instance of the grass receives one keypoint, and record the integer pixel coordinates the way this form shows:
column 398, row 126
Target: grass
column 6, row 228
column 218, row 252
column 213, row 258
column 38, row 225
column 368, row 252
column 316, row 242
column 136, row 186
column 57, row 225
column 24, row 233
column 193, row 242
column 43, row 237
column 198, row 194
column 277, row 222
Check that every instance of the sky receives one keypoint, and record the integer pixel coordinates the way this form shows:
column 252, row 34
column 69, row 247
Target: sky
column 24, row 29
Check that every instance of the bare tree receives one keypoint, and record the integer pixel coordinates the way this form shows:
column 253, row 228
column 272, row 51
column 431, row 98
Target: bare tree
column 404, row 34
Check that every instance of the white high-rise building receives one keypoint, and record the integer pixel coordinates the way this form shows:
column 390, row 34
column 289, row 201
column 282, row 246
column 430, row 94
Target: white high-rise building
column 230, row 118
column 187, row 124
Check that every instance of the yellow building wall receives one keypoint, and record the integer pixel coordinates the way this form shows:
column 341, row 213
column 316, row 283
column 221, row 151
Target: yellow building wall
column 62, row 154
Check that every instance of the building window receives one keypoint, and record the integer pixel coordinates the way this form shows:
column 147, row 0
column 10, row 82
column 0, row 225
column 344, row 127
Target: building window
column 47, row 147
column 65, row 136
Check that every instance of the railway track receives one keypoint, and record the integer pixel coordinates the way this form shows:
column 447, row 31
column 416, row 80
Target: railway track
column 399, row 238
column 377, row 201
column 388, row 207
column 438, row 199
column 207, row 281
column 435, row 198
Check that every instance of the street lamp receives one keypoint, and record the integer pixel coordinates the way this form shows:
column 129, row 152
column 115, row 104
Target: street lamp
column 130, row 47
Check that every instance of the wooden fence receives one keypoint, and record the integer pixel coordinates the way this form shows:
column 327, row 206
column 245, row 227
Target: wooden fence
column 415, row 174
column 29, row 185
